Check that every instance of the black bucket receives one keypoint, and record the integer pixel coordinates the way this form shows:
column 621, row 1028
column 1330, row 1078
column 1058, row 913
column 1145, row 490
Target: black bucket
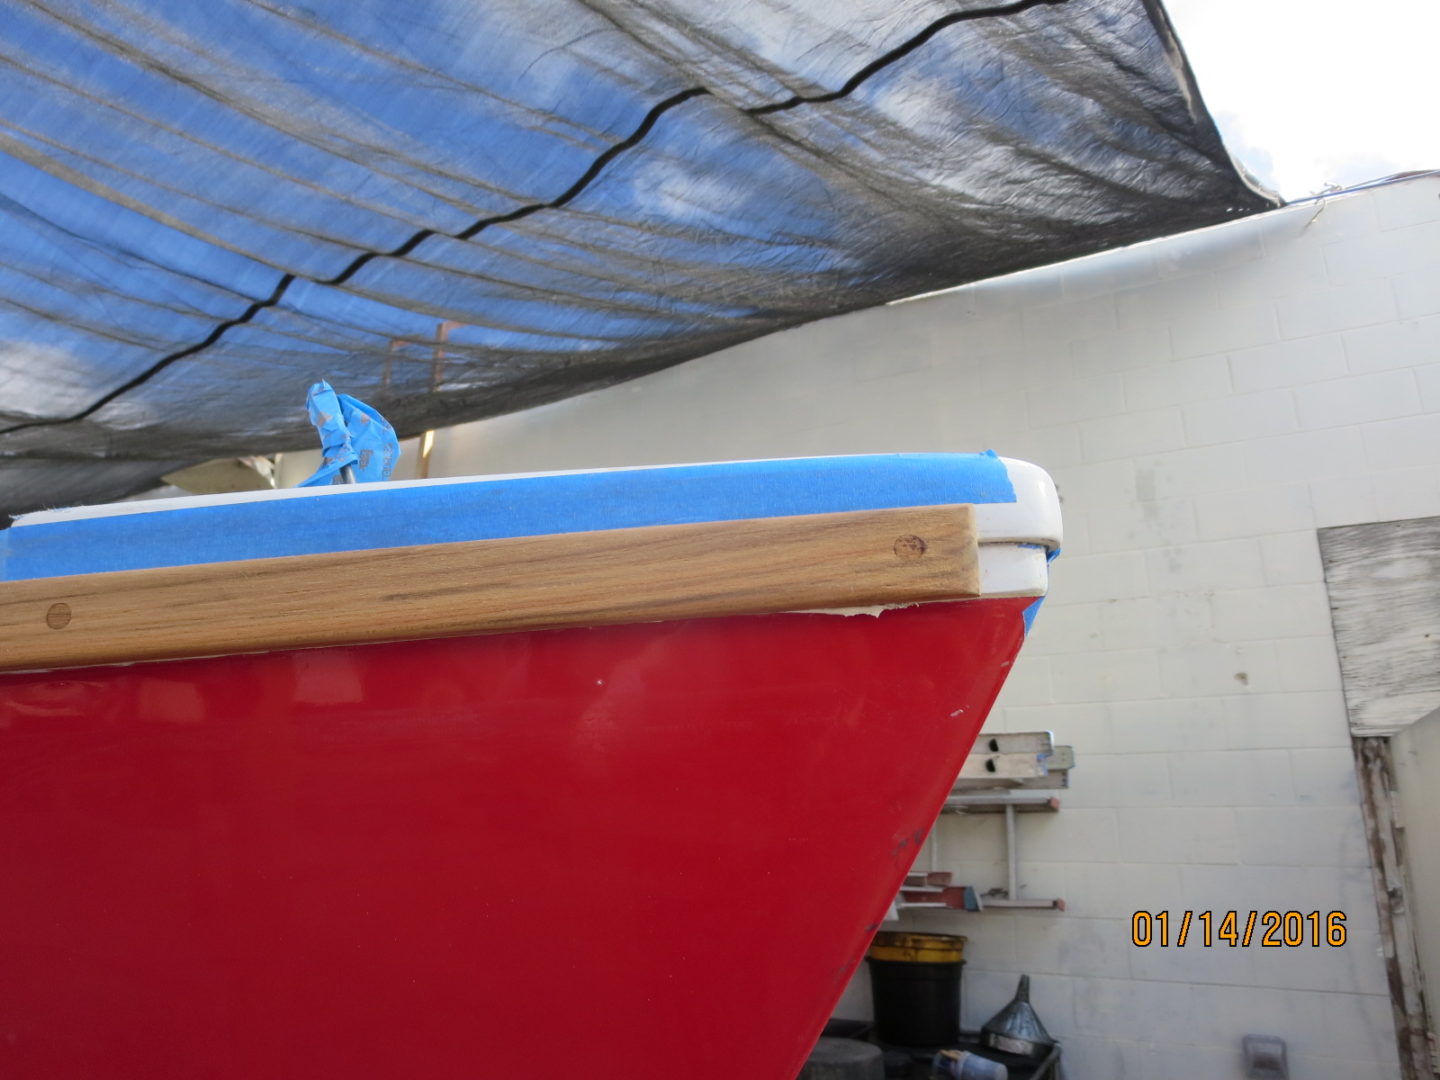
column 915, row 983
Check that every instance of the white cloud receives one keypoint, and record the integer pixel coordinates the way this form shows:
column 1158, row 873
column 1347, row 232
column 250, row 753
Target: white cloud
column 1333, row 93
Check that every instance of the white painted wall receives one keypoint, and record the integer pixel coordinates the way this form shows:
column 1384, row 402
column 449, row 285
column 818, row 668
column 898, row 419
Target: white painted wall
column 1205, row 403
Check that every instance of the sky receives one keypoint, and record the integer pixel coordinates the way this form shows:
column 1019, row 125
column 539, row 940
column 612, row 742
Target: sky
column 1311, row 94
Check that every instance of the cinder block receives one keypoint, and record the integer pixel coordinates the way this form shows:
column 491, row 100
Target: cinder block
column 1244, row 416
column 1072, row 945
column 1407, row 493
column 1134, row 433
column 1168, row 620
column 1342, row 500
column 1286, row 720
column 1083, row 725
column 1276, row 611
column 1292, row 558
column 1095, row 488
column 1074, row 835
column 1394, row 444
column 1417, row 293
column 1176, row 834
column 1308, row 663
column 1118, row 891
column 1343, row 217
column 1409, row 343
column 1326, row 311
column 1236, row 563
column 1359, row 1022
column 1083, row 399
column 1194, row 379
column 1428, row 379
column 1232, row 778
column 1305, row 455
column 1111, row 675
column 1065, row 628
column 1165, row 299
column 1224, row 669
column 1358, row 399
column 1410, row 202
column 1374, row 253
column 1028, row 682
column 1287, row 363
column 1188, row 472
column 1236, row 322
column 1108, row 273
column 1121, row 780
column 1142, row 346
column 1229, row 514
column 1144, row 524
column 1099, row 577
column 1172, row 725
column 1066, row 319
column 1302, row 836
column 1324, row 775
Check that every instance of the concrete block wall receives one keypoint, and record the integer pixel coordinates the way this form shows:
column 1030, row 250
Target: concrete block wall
column 1205, row 403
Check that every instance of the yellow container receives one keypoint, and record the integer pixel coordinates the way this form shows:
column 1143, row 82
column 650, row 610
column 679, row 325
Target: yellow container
column 918, row 948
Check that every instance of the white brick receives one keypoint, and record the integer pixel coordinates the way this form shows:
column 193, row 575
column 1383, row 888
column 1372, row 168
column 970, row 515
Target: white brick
column 1343, row 217
column 1291, row 558
column 1326, row 311
column 1066, row 319
column 1108, row 273
column 1223, row 669
column 1244, row 416
column 1085, row 726
column 1142, row 622
column 1274, row 612
column 1235, row 563
column 1305, row 455
column 1067, row 946
column 1092, row 487
column 1324, row 775
column 1098, row 577
column 1065, row 628
column 1343, row 500
column 1143, row 524
column 1287, row 363
column 1358, row 399
column 1308, row 663
column 1176, row 834
column 1099, row 354
column 1393, row 344
column 1112, row 675
column 1173, row 725
column 1028, row 682
column 1302, row 836
column 1194, row 379
column 1052, row 448
column 1226, row 515
column 1364, row 1025
column 1394, row 444
column 1413, row 202
column 1407, row 493
column 1188, row 472
column 1262, row 888
column 1118, row 891
column 1428, row 380
column 1193, row 963
column 1417, row 293
column 1232, row 778
column 1165, row 298
column 1376, row 254
column 1076, row 834
column 1069, row 402
column 1298, row 719
column 1234, row 323
column 1131, row 434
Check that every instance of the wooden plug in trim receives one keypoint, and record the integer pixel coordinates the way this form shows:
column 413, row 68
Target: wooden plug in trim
column 646, row 574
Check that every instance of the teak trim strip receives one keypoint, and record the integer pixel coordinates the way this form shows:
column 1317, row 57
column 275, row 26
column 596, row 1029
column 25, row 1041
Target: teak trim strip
column 647, row 574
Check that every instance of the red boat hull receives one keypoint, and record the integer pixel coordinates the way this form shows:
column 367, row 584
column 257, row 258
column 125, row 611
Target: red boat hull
column 625, row 852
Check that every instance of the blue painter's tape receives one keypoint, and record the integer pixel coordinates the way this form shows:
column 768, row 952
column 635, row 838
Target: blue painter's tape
column 364, row 517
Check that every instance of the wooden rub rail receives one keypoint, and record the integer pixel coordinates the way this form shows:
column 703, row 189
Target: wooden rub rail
column 647, row 574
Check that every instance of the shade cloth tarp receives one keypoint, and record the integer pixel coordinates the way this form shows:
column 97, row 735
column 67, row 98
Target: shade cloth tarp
column 204, row 208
